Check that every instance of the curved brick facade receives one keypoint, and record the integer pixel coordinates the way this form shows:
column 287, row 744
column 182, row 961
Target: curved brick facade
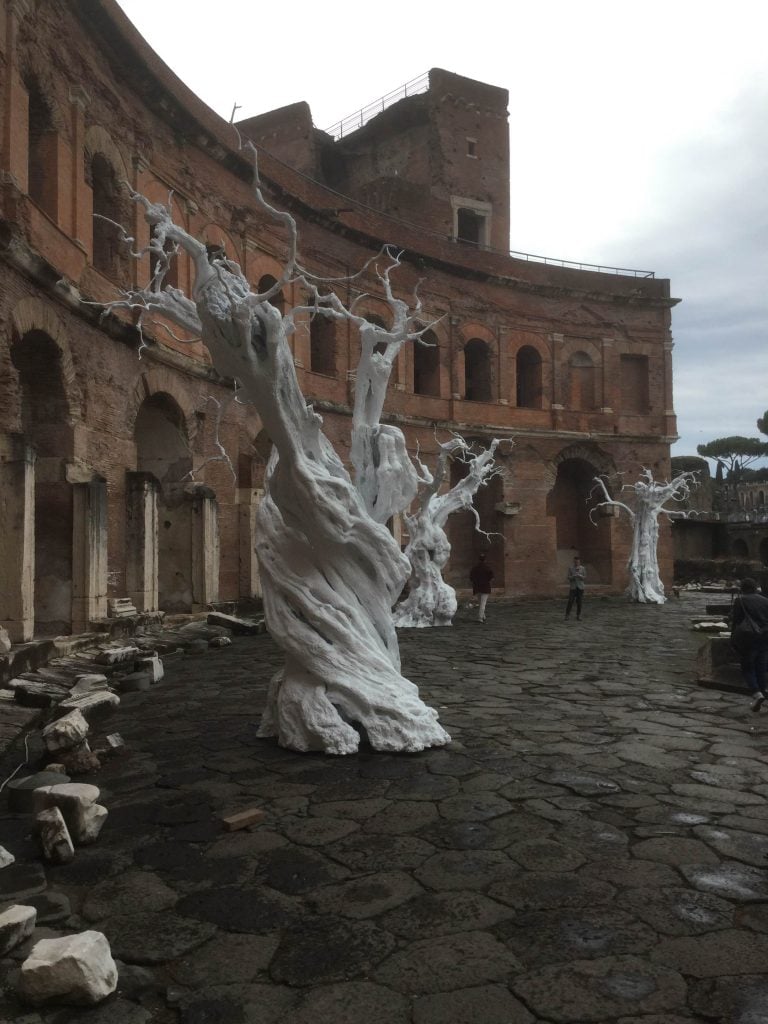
column 574, row 365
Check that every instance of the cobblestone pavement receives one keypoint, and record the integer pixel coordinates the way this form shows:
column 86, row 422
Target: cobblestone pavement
column 591, row 847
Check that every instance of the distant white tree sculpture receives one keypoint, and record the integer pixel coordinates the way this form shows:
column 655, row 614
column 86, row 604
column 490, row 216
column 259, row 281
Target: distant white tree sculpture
column 330, row 572
column 431, row 601
column 645, row 583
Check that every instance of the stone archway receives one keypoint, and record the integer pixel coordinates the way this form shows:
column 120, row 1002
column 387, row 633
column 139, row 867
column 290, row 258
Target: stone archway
column 569, row 502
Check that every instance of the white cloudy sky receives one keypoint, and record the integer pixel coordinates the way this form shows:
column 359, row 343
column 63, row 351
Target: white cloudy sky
column 639, row 137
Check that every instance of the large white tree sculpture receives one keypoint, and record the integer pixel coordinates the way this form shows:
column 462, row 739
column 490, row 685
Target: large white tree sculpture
column 651, row 496
column 431, row 601
column 330, row 571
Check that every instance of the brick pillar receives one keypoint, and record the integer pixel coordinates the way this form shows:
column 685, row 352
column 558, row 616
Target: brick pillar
column 80, row 225
column 141, row 543
column 558, row 346
column 610, row 396
column 89, row 553
column 17, row 537
column 16, row 108
column 205, row 549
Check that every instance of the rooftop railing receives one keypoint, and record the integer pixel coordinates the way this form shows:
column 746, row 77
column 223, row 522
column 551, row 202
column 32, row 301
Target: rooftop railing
column 363, row 116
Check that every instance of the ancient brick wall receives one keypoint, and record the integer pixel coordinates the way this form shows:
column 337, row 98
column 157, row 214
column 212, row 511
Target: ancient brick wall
column 553, row 357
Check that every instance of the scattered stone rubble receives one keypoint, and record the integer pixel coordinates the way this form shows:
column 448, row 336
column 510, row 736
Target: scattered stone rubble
column 75, row 969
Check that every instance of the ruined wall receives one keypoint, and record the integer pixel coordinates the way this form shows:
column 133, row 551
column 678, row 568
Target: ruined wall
column 112, row 112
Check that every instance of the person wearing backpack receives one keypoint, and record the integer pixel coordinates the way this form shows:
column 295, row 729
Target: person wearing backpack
column 749, row 635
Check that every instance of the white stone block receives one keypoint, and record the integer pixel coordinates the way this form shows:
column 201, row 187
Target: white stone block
column 5, row 641
column 116, row 655
column 153, row 665
column 6, row 858
column 77, row 803
column 54, row 836
column 91, row 704
column 66, row 732
column 16, row 925
column 75, row 969
column 89, row 683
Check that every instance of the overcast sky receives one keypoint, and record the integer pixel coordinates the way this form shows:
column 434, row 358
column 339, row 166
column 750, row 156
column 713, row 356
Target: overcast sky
column 639, row 138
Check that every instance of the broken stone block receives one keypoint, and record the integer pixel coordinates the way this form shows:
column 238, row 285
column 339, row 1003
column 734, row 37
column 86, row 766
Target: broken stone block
column 241, row 627
column 54, row 836
column 6, row 858
column 91, row 705
column 80, row 761
column 66, row 733
column 76, row 969
column 21, row 792
column 243, row 819
column 91, row 682
column 16, row 925
column 121, row 608
column 115, row 742
column 116, row 655
column 134, row 682
column 153, row 665
column 5, row 641
column 77, row 803
column 36, row 694
column 219, row 641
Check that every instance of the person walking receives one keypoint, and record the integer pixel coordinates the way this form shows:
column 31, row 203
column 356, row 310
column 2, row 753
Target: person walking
column 480, row 577
column 749, row 635
column 577, row 577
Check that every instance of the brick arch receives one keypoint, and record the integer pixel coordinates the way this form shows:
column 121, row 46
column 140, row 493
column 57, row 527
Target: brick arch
column 471, row 331
column 260, row 265
column 371, row 306
column 32, row 314
column 574, row 345
column 47, row 85
column 99, row 141
column 156, row 382
column 592, row 454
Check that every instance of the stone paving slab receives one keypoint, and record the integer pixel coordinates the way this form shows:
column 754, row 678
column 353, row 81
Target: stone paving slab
column 591, row 847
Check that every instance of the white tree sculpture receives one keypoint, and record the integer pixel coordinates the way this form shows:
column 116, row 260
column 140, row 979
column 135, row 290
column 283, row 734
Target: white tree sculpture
column 645, row 583
column 431, row 601
column 330, row 572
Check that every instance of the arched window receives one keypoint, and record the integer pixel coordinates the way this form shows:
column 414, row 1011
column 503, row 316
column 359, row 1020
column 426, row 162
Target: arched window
column 529, row 386
column 426, row 365
column 107, row 210
column 278, row 300
column 477, row 371
column 42, row 154
column 322, row 345
column 582, row 382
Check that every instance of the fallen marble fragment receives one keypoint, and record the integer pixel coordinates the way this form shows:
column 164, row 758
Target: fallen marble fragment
column 220, row 641
column 77, row 803
column 91, row 682
column 21, row 791
column 76, row 969
column 242, row 627
column 91, row 704
column 6, row 857
column 66, row 733
column 243, row 819
column 16, row 925
column 116, row 655
column 153, row 666
column 54, row 836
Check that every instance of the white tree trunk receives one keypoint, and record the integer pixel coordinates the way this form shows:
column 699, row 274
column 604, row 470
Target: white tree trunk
column 431, row 601
column 330, row 573
column 645, row 585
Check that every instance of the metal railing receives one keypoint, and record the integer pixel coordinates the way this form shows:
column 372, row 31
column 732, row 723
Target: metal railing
column 361, row 117
column 594, row 267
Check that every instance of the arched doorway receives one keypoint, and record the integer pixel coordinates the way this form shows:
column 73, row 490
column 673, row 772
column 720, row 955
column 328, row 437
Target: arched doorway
column 45, row 425
column 466, row 542
column 569, row 502
column 163, row 451
column 739, row 548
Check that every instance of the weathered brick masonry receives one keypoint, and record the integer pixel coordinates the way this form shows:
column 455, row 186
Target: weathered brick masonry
column 99, row 434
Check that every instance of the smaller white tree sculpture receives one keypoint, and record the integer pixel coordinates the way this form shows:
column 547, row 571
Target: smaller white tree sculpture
column 431, row 601
column 651, row 496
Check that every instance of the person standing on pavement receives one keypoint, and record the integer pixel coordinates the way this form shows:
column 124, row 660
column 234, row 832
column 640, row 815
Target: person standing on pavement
column 749, row 635
column 577, row 577
column 480, row 577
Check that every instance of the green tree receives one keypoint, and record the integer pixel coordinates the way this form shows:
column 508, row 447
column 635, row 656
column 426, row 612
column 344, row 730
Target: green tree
column 762, row 423
column 734, row 453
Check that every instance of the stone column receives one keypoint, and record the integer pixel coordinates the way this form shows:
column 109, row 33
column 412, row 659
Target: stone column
column 141, row 547
column 89, row 553
column 17, row 537
column 250, row 581
column 205, row 549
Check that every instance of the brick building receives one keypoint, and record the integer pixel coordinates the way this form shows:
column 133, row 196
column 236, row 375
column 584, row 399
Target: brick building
column 106, row 483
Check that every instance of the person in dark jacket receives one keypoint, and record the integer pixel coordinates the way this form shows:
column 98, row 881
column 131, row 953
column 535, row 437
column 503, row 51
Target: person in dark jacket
column 576, row 579
column 480, row 577
column 749, row 635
